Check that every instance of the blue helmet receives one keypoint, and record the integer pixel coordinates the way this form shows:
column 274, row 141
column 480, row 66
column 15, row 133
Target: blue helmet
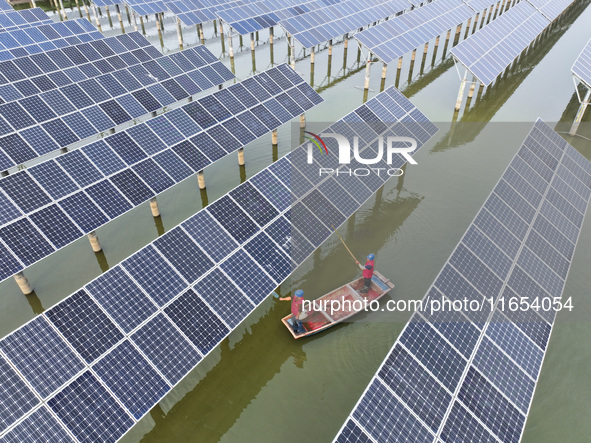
column 370, row 257
column 299, row 293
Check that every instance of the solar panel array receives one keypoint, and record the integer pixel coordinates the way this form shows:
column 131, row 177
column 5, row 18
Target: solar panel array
column 33, row 74
column 147, row 7
column 247, row 18
column 50, row 205
column 58, row 118
column 95, row 363
column 192, row 12
column 582, row 67
column 470, row 376
column 394, row 38
column 26, row 18
column 5, row 6
column 22, row 42
column 491, row 49
column 336, row 20
column 551, row 8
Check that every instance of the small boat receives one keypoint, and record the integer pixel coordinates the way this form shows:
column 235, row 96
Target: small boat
column 318, row 320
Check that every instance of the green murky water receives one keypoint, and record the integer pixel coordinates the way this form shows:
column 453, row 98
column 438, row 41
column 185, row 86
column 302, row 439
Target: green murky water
column 261, row 385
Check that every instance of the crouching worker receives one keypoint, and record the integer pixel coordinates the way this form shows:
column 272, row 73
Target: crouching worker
column 296, row 311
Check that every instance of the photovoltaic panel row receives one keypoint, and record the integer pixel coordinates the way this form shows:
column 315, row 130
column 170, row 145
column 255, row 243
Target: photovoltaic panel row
column 5, row 6
column 336, row 20
column 40, row 124
column 43, row 38
column 134, row 332
column 394, row 38
column 491, row 49
column 47, row 206
column 34, row 74
column 192, row 12
column 264, row 14
column 481, row 5
column 470, row 375
column 582, row 67
column 551, row 9
column 26, row 18
column 147, row 7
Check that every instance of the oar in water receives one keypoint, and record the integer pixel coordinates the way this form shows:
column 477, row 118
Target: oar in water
column 345, row 245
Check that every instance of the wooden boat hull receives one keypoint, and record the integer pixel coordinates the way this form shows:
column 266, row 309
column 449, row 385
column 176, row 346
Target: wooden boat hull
column 318, row 320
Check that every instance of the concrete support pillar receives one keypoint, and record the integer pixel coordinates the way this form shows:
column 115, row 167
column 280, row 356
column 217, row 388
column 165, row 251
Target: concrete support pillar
column 128, row 15
column 303, row 121
column 154, row 207
column 120, row 18
column 367, row 73
column 274, row 137
column 201, row 180
column 23, row 283
column 96, row 19
column 77, row 5
column 135, row 28
column 221, row 30
column 461, row 93
column 179, row 33
column 483, row 17
column 201, row 36
column 580, row 113
column 475, row 22
column 231, row 50
column 384, row 70
column 252, row 41
column 161, row 17
column 159, row 28
column 108, row 16
column 241, row 156
column 330, row 48
column 467, row 27
column 143, row 26
column 86, row 10
column 312, row 55
column 94, row 242
column 414, row 55
column 63, row 10
column 292, row 56
column 271, row 35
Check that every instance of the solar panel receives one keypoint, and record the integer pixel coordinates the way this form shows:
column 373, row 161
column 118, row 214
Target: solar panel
column 45, row 37
column 582, row 67
column 147, row 7
column 11, row 20
column 5, row 6
column 129, row 167
column 41, row 425
column 65, row 123
column 149, row 321
column 551, row 8
column 477, row 378
column 394, row 38
column 335, row 20
column 504, row 39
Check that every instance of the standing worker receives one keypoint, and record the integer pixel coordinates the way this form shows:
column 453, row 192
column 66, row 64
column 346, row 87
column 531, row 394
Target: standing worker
column 296, row 311
column 367, row 272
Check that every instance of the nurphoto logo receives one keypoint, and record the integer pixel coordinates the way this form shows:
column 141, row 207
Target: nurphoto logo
column 393, row 145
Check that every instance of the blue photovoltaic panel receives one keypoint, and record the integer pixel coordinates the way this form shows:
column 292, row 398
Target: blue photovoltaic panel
column 121, row 299
column 127, row 168
column 394, row 38
column 85, row 406
column 41, row 425
column 551, row 8
column 582, row 67
column 168, row 350
column 333, row 21
column 147, row 317
column 504, row 39
column 16, row 399
column 41, row 355
column 26, row 18
column 131, row 378
column 489, row 387
column 86, row 327
column 108, row 98
column 5, row 6
column 147, row 7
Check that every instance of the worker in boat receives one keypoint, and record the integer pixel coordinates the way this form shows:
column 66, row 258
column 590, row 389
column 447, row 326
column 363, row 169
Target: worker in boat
column 296, row 311
column 367, row 272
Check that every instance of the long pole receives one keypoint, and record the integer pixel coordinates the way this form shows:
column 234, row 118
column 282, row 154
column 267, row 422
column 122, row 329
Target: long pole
column 344, row 244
